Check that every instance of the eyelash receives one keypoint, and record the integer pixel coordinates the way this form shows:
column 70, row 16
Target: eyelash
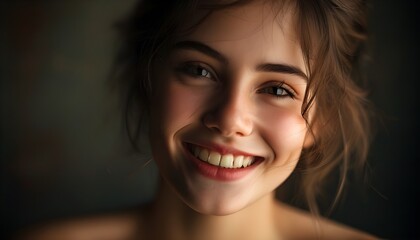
column 197, row 70
column 286, row 91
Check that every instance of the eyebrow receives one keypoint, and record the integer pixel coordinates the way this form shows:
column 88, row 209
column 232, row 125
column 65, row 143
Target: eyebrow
column 265, row 67
column 201, row 47
column 282, row 68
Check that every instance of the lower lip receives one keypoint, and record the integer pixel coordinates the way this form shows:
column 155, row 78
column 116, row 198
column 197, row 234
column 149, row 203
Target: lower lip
column 220, row 173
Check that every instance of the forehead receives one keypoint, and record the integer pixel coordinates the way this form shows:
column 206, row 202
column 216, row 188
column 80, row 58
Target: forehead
column 244, row 20
column 258, row 31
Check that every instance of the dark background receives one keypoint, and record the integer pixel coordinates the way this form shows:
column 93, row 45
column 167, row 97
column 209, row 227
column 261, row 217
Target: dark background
column 63, row 153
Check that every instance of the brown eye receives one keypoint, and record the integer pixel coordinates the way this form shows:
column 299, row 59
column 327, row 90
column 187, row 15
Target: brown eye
column 197, row 71
column 277, row 90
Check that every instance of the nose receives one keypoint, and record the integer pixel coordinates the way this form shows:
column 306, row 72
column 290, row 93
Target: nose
column 230, row 117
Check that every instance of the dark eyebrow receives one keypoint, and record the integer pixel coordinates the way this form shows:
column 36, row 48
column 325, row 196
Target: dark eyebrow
column 282, row 68
column 201, row 47
column 266, row 67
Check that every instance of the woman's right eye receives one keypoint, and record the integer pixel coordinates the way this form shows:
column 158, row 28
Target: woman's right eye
column 197, row 70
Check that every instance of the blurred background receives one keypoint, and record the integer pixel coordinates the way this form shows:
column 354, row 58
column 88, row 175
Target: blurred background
column 63, row 152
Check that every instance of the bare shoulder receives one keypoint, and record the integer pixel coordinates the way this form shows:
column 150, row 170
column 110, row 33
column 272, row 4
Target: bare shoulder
column 121, row 226
column 302, row 225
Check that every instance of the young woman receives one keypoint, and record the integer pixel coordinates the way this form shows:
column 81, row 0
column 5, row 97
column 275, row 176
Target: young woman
column 237, row 95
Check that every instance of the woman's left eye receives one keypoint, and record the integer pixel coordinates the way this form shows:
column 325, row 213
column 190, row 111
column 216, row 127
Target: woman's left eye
column 279, row 91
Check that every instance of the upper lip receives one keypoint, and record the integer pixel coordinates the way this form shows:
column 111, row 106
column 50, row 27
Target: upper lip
column 222, row 149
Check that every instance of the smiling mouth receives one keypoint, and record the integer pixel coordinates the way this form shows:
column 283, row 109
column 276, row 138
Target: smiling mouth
column 229, row 160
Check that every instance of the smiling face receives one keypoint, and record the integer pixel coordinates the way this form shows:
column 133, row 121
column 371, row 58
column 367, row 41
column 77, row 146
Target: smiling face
column 225, row 123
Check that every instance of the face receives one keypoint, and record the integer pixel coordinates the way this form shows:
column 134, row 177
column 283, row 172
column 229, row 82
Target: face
column 225, row 125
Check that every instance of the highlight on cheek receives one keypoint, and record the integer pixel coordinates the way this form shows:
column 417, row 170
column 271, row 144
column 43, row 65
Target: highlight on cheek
column 232, row 108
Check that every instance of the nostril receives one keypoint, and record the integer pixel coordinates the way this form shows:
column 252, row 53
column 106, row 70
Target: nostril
column 228, row 128
column 229, row 119
column 213, row 126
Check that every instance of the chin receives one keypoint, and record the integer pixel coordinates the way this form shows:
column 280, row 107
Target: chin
column 217, row 206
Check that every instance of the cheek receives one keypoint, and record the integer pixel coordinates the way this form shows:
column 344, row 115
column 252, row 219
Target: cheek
column 183, row 104
column 176, row 106
column 285, row 131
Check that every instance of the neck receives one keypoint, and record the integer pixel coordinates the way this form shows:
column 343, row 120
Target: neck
column 170, row 218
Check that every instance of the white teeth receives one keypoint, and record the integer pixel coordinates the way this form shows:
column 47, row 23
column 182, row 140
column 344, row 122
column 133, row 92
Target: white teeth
column 247, row 161
column 214, row 158
column 238, row 161
column 226, row 161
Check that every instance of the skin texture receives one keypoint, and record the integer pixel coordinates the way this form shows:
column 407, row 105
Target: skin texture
column 231, row 106
column 226, row 104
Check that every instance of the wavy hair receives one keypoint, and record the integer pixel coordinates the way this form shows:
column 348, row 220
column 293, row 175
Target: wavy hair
column 332, row 35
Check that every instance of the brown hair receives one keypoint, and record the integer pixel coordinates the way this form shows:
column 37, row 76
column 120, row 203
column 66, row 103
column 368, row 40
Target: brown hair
column 337, row 33
column 331, row 33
